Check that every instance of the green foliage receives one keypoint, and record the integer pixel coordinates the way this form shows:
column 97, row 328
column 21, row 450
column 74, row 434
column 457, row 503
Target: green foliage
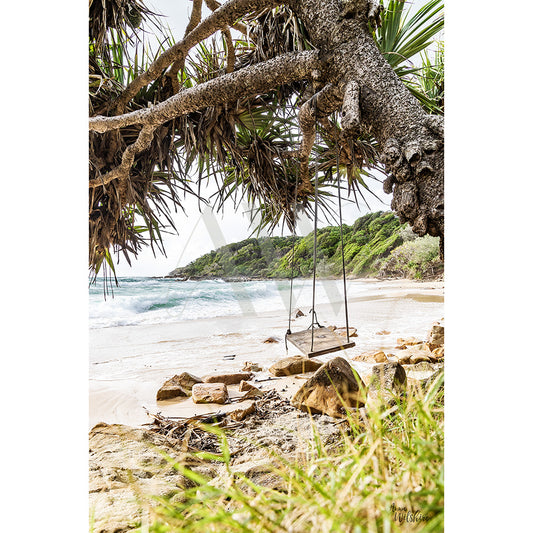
column 367, row 245
column 357, row 483
column 417, row 259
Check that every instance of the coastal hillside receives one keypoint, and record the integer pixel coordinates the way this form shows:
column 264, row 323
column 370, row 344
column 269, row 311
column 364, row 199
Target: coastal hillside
column 375, row 245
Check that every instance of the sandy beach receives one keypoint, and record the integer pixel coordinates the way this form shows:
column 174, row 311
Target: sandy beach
column 128, row 364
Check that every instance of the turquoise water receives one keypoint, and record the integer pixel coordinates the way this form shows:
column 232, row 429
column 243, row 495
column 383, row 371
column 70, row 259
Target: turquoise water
column 159, row 300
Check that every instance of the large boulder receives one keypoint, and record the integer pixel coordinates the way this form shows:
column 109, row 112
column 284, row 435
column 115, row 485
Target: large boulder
column 210, row 393
column 332, row 387
column 177, row 386
column 386, row 381
column 294, row 365
column 436, row 337
column 228, row 379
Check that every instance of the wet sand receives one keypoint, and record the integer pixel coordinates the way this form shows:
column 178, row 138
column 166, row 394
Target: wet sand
column 128, row 364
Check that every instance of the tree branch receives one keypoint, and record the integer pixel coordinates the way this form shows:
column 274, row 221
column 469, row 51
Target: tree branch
column 251, row 80
column 142, row 143
column 230, row 65
column 225, row 15
column 196, row 17
column 214, row 5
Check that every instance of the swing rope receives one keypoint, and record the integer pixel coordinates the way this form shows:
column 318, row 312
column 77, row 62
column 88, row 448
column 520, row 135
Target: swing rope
column 313, row 316
column 342, row 246
column 292, row 259
column 314, row 319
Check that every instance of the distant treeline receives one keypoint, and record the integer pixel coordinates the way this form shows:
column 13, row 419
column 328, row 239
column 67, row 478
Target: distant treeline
column 376, row 245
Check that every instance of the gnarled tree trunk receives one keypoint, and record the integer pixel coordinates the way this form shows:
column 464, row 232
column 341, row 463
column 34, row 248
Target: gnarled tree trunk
column 347, row 73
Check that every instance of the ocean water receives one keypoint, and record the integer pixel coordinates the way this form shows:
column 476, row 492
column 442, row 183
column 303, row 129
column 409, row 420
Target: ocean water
column 147, row 301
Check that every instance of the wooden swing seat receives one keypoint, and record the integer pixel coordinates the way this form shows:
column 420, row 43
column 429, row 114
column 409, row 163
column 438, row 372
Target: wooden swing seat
column 325, row 341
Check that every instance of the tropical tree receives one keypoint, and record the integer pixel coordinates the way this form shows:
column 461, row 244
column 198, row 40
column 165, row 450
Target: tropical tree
column 269, row 98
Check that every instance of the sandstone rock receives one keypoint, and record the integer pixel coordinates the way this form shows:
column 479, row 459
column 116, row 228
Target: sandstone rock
column 243, row 412
column 246, row 386
column 251, row 367
column 438, row 353
column 210, row 393
column 383, row 332
column 271, row 340
column 437, row 330
column 298, row 313
column 436, row 337
column 228, row 379
column 421, row 357
column 176, row 386
column 415, row 354
column 126, row 470
column 320, row 393
column 252, row 393
column 387, row 379
column 380, row 357
column 411, row 341
column 294, row 365
column 424, row 366
column 372, row 357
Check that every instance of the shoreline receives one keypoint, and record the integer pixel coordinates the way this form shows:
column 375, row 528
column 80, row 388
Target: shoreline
column 242, row 279
column 128, row 364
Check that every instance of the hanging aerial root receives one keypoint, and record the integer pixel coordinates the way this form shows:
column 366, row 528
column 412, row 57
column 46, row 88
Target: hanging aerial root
column 318, row 107
column 351, row 111
column 230, row 65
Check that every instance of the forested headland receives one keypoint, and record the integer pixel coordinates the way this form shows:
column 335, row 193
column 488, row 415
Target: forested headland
column 375, row 245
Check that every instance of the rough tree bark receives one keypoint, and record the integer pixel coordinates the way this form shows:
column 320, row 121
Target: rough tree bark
column 349, row 74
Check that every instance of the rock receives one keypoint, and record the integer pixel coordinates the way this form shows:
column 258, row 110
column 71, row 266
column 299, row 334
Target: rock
column 252, row 393
column 437, row 330
column 332, row 328
column 127, row 468
column 228, row 379
column 411, row 341
column 415, row 354
column 436, row 337
column 372, row 357
column 320, row 393
column 251, row 367
column 294, row 365
column 387, row 379
column 246, row 386
column 422, row 367
column 420, row 358
column 383, row 332
column 243, row 412
column 271, row 340
column 438, row 353
column 179, row 385
column 380, row 357
column 298, row 313
column 210, row 393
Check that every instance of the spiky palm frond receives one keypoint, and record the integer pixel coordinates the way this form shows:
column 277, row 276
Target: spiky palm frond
column 402, row 38
column 242, row 145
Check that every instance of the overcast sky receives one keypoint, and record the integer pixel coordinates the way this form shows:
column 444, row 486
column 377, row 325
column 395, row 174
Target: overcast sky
column 202, row 231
